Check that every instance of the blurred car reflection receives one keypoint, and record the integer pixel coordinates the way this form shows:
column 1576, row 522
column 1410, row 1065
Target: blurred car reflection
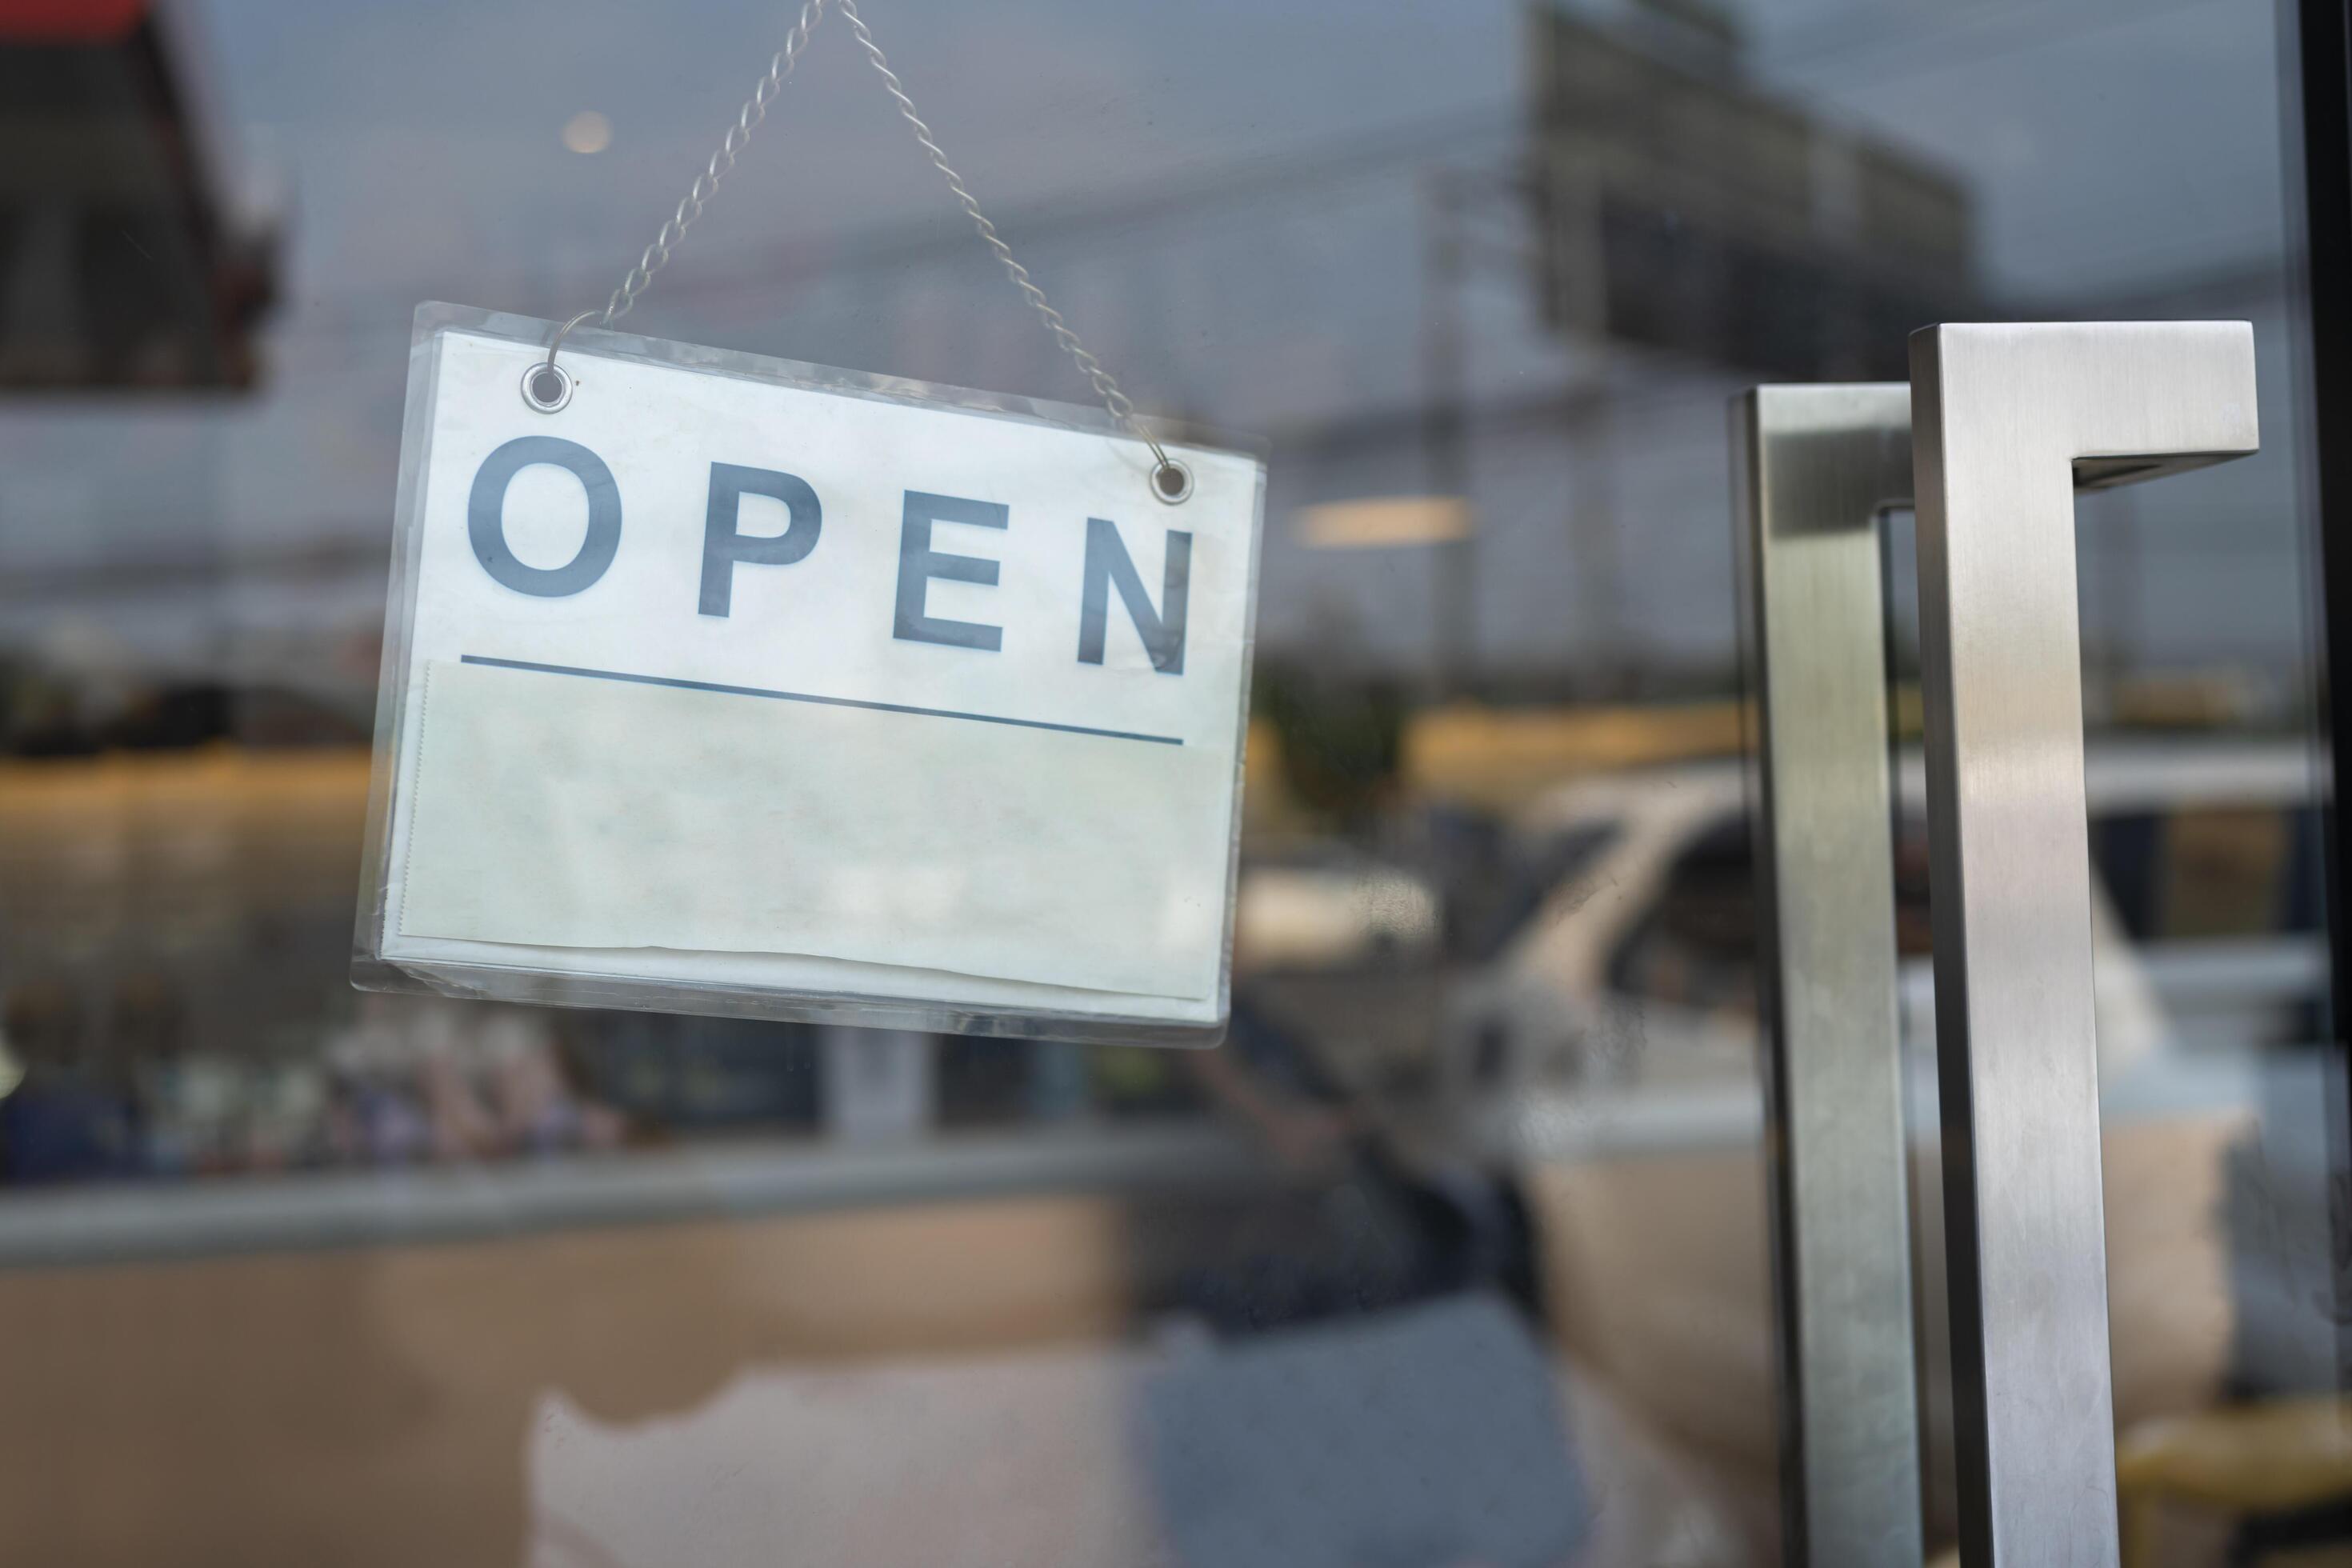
column 1639, row 957
column 1607, row 1051
column 1323, row 905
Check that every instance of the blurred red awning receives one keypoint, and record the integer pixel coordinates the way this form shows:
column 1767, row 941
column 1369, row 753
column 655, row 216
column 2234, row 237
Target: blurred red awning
column 68, row 21
column 132, row 255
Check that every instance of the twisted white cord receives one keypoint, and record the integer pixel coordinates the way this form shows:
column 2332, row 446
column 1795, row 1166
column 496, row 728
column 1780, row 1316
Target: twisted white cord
column 739, row 135
column 1106, row 387
column 705, row 184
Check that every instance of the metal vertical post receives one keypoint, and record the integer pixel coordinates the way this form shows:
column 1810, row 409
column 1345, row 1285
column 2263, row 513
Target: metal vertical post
column 2322, row 49
column 1816, row 465
column 2008, row 420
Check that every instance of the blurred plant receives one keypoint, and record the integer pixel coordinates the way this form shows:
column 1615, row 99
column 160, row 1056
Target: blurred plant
column 1342, row 741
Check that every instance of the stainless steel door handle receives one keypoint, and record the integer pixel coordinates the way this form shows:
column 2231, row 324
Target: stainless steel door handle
column 1814, row 469
column 2006, row 419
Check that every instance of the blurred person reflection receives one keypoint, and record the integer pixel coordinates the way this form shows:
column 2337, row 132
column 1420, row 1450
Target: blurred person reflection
column 66, row 1120
column 424, row 1078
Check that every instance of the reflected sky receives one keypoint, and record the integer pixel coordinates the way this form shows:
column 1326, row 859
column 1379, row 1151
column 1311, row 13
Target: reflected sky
column 1226, row 197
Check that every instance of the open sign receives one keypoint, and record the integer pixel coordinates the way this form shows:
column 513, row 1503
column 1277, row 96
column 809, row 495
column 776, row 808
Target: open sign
column 737, row 686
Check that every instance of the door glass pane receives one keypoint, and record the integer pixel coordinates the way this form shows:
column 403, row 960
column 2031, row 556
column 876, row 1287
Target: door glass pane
column 1458, row 1249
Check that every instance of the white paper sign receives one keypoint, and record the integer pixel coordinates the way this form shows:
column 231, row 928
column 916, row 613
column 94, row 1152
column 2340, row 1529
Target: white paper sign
column 752, row 682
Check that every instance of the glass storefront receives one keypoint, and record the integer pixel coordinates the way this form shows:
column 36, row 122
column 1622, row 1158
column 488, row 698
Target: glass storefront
column 1473, row 1242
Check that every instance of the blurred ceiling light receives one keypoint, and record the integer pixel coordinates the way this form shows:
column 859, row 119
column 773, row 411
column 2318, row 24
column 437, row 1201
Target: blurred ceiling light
column 587, row 132
column 1385, row 522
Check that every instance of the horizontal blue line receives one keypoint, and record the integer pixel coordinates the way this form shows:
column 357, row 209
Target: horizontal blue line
column 812, row 696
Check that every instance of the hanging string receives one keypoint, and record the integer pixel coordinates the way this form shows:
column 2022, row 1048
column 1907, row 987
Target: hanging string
column 1170, row 481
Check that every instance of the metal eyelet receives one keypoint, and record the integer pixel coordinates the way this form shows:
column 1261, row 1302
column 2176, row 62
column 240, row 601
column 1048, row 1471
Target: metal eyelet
column 1171, row 482
column 546, row 387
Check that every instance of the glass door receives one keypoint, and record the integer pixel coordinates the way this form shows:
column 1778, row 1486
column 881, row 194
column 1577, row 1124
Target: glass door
column 1571, row 1185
